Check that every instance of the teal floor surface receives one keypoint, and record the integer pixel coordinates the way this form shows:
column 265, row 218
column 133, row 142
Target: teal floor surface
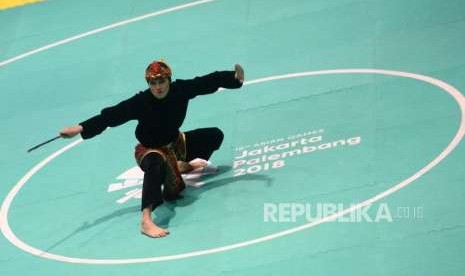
column 343, row 152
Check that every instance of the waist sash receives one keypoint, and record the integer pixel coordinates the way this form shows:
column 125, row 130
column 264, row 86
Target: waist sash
column 171, row 153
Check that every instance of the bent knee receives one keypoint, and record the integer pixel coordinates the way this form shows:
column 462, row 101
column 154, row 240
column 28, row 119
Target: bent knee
column 218, row 136
column 152, row 161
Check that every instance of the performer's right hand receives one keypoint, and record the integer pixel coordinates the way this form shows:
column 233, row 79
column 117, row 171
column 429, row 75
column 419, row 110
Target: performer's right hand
column 239, row 73
column 69, row 132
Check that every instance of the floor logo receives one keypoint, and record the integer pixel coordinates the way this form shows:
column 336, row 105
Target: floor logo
column 131, row 181
column 271, row 154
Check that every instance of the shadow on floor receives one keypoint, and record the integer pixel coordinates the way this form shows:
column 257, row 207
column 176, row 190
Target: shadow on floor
column 166, row 212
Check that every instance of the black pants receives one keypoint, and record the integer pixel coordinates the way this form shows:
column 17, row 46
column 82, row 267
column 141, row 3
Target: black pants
column 200, row 143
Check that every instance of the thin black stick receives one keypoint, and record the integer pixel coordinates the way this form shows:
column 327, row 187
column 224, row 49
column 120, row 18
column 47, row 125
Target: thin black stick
column 41, row 144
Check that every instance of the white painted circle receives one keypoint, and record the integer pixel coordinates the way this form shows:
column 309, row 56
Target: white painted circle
column 459, row 98
column 6, row 230
column 103, row 29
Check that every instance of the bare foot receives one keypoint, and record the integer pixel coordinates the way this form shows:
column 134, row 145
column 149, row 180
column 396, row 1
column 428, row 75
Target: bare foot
column 149, row 228
column 198, row 163
column 185, row 167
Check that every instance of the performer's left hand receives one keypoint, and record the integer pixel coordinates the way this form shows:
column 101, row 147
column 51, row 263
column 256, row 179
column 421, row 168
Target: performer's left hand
column 239, row 73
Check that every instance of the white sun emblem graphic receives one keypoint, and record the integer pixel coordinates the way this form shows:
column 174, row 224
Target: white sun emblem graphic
column 131, row 181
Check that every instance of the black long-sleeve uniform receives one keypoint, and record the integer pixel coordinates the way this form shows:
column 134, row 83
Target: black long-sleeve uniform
column 159, row 120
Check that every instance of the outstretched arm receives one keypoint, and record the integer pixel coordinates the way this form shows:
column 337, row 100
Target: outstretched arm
column 212, row 82
column 109, row 117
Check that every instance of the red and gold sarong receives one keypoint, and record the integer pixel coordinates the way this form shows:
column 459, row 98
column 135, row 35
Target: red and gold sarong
column 171, row 153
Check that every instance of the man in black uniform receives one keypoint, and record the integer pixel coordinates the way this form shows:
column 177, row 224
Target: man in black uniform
column 163, row 152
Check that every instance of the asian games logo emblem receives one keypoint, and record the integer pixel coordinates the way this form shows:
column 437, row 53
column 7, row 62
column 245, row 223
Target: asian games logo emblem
column 130, row 182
